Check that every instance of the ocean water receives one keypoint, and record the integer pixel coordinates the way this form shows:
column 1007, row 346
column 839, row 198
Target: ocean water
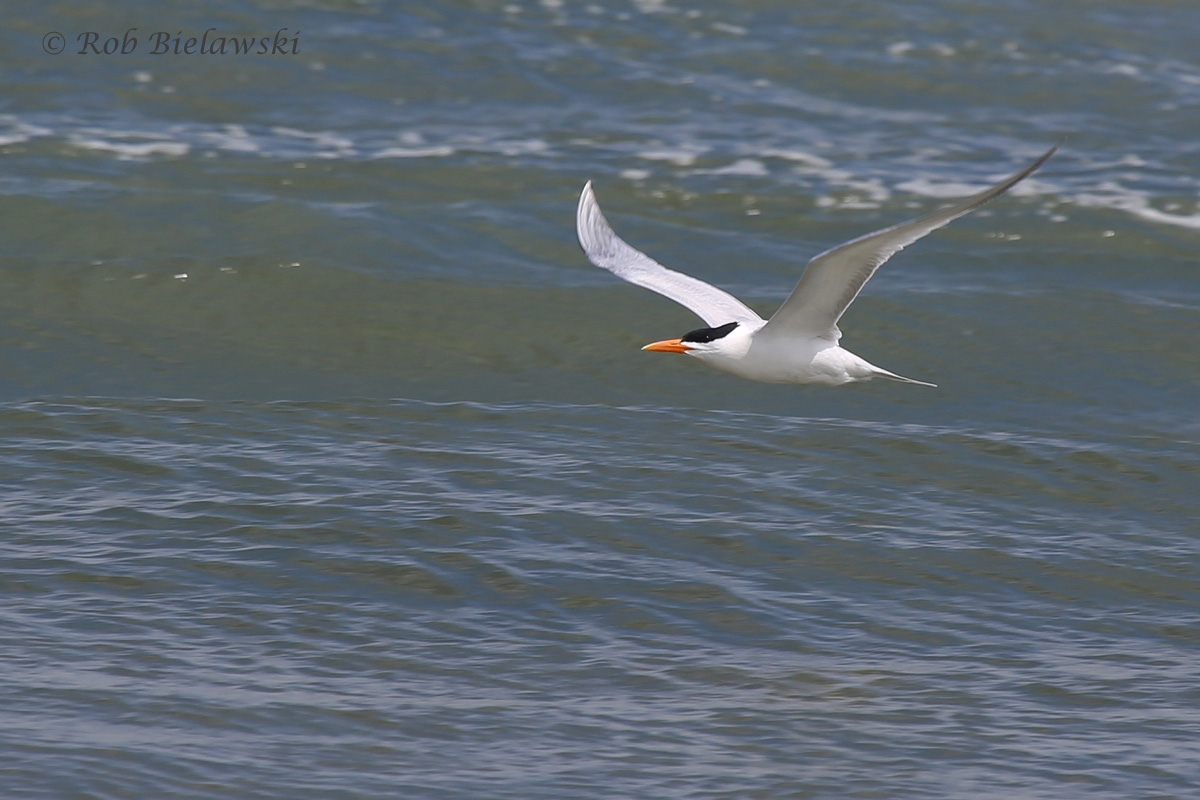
column 329, row 467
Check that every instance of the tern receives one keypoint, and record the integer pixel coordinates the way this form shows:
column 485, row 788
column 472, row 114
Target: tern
column 799, row 344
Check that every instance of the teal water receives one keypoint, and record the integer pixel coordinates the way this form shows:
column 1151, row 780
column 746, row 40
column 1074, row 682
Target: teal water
column 329, row 467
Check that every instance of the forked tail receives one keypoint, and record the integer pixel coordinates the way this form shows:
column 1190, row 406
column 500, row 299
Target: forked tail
column 891, row 376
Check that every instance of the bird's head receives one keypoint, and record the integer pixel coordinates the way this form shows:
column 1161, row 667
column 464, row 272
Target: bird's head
column 723, row 341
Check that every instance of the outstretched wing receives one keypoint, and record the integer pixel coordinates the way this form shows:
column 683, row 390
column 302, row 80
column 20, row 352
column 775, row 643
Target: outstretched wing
column 834, row 278
column 607, row 250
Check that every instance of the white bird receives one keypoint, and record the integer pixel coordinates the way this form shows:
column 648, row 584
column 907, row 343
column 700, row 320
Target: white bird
column 799, row 344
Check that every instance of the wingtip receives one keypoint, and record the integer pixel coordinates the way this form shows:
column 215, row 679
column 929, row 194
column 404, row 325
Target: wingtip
column 1045, row 156
column 586, row 198
column 588, row 220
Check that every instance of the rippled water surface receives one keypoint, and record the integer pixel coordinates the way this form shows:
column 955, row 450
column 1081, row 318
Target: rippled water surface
column 329, row 468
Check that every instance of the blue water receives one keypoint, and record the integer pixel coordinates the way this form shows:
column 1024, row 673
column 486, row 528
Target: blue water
column 329, row 467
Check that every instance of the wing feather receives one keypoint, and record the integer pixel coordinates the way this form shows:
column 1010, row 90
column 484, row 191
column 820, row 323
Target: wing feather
column 607, row 250
column 834, row 278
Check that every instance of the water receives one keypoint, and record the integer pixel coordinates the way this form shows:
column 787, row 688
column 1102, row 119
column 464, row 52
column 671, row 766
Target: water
column 329, row 468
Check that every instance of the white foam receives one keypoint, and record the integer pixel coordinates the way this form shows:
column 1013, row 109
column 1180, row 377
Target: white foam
column 432, row 151
column 519, row 147
column 750, row 167
column 732, row 30
column 1130, row 160
column 873, row 188
column 20, row 131
column 800, row 156
column 1108, row 194
column 413, row 145
column 652, row 6
column 234, row 138
column 680, row 157
column 1112, row 195
column 928, row 188
column 1013, row 51
column 131, row 150
column 1124, row 69
column 337, row 145
column 868, row 193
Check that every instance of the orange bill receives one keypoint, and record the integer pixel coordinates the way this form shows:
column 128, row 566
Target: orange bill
column 668, row 346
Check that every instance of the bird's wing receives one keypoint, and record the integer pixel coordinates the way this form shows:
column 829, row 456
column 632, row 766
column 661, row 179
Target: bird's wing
column 834, row 278
column 607, row 250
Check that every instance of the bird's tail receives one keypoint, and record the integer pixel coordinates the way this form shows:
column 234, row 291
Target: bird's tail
column 891, row 376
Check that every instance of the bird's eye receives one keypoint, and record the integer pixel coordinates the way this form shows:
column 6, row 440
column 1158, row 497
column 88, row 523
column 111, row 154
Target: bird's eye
column 705, row 335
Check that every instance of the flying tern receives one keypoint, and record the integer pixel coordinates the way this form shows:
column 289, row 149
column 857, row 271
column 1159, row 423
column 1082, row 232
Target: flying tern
column 799, row 344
